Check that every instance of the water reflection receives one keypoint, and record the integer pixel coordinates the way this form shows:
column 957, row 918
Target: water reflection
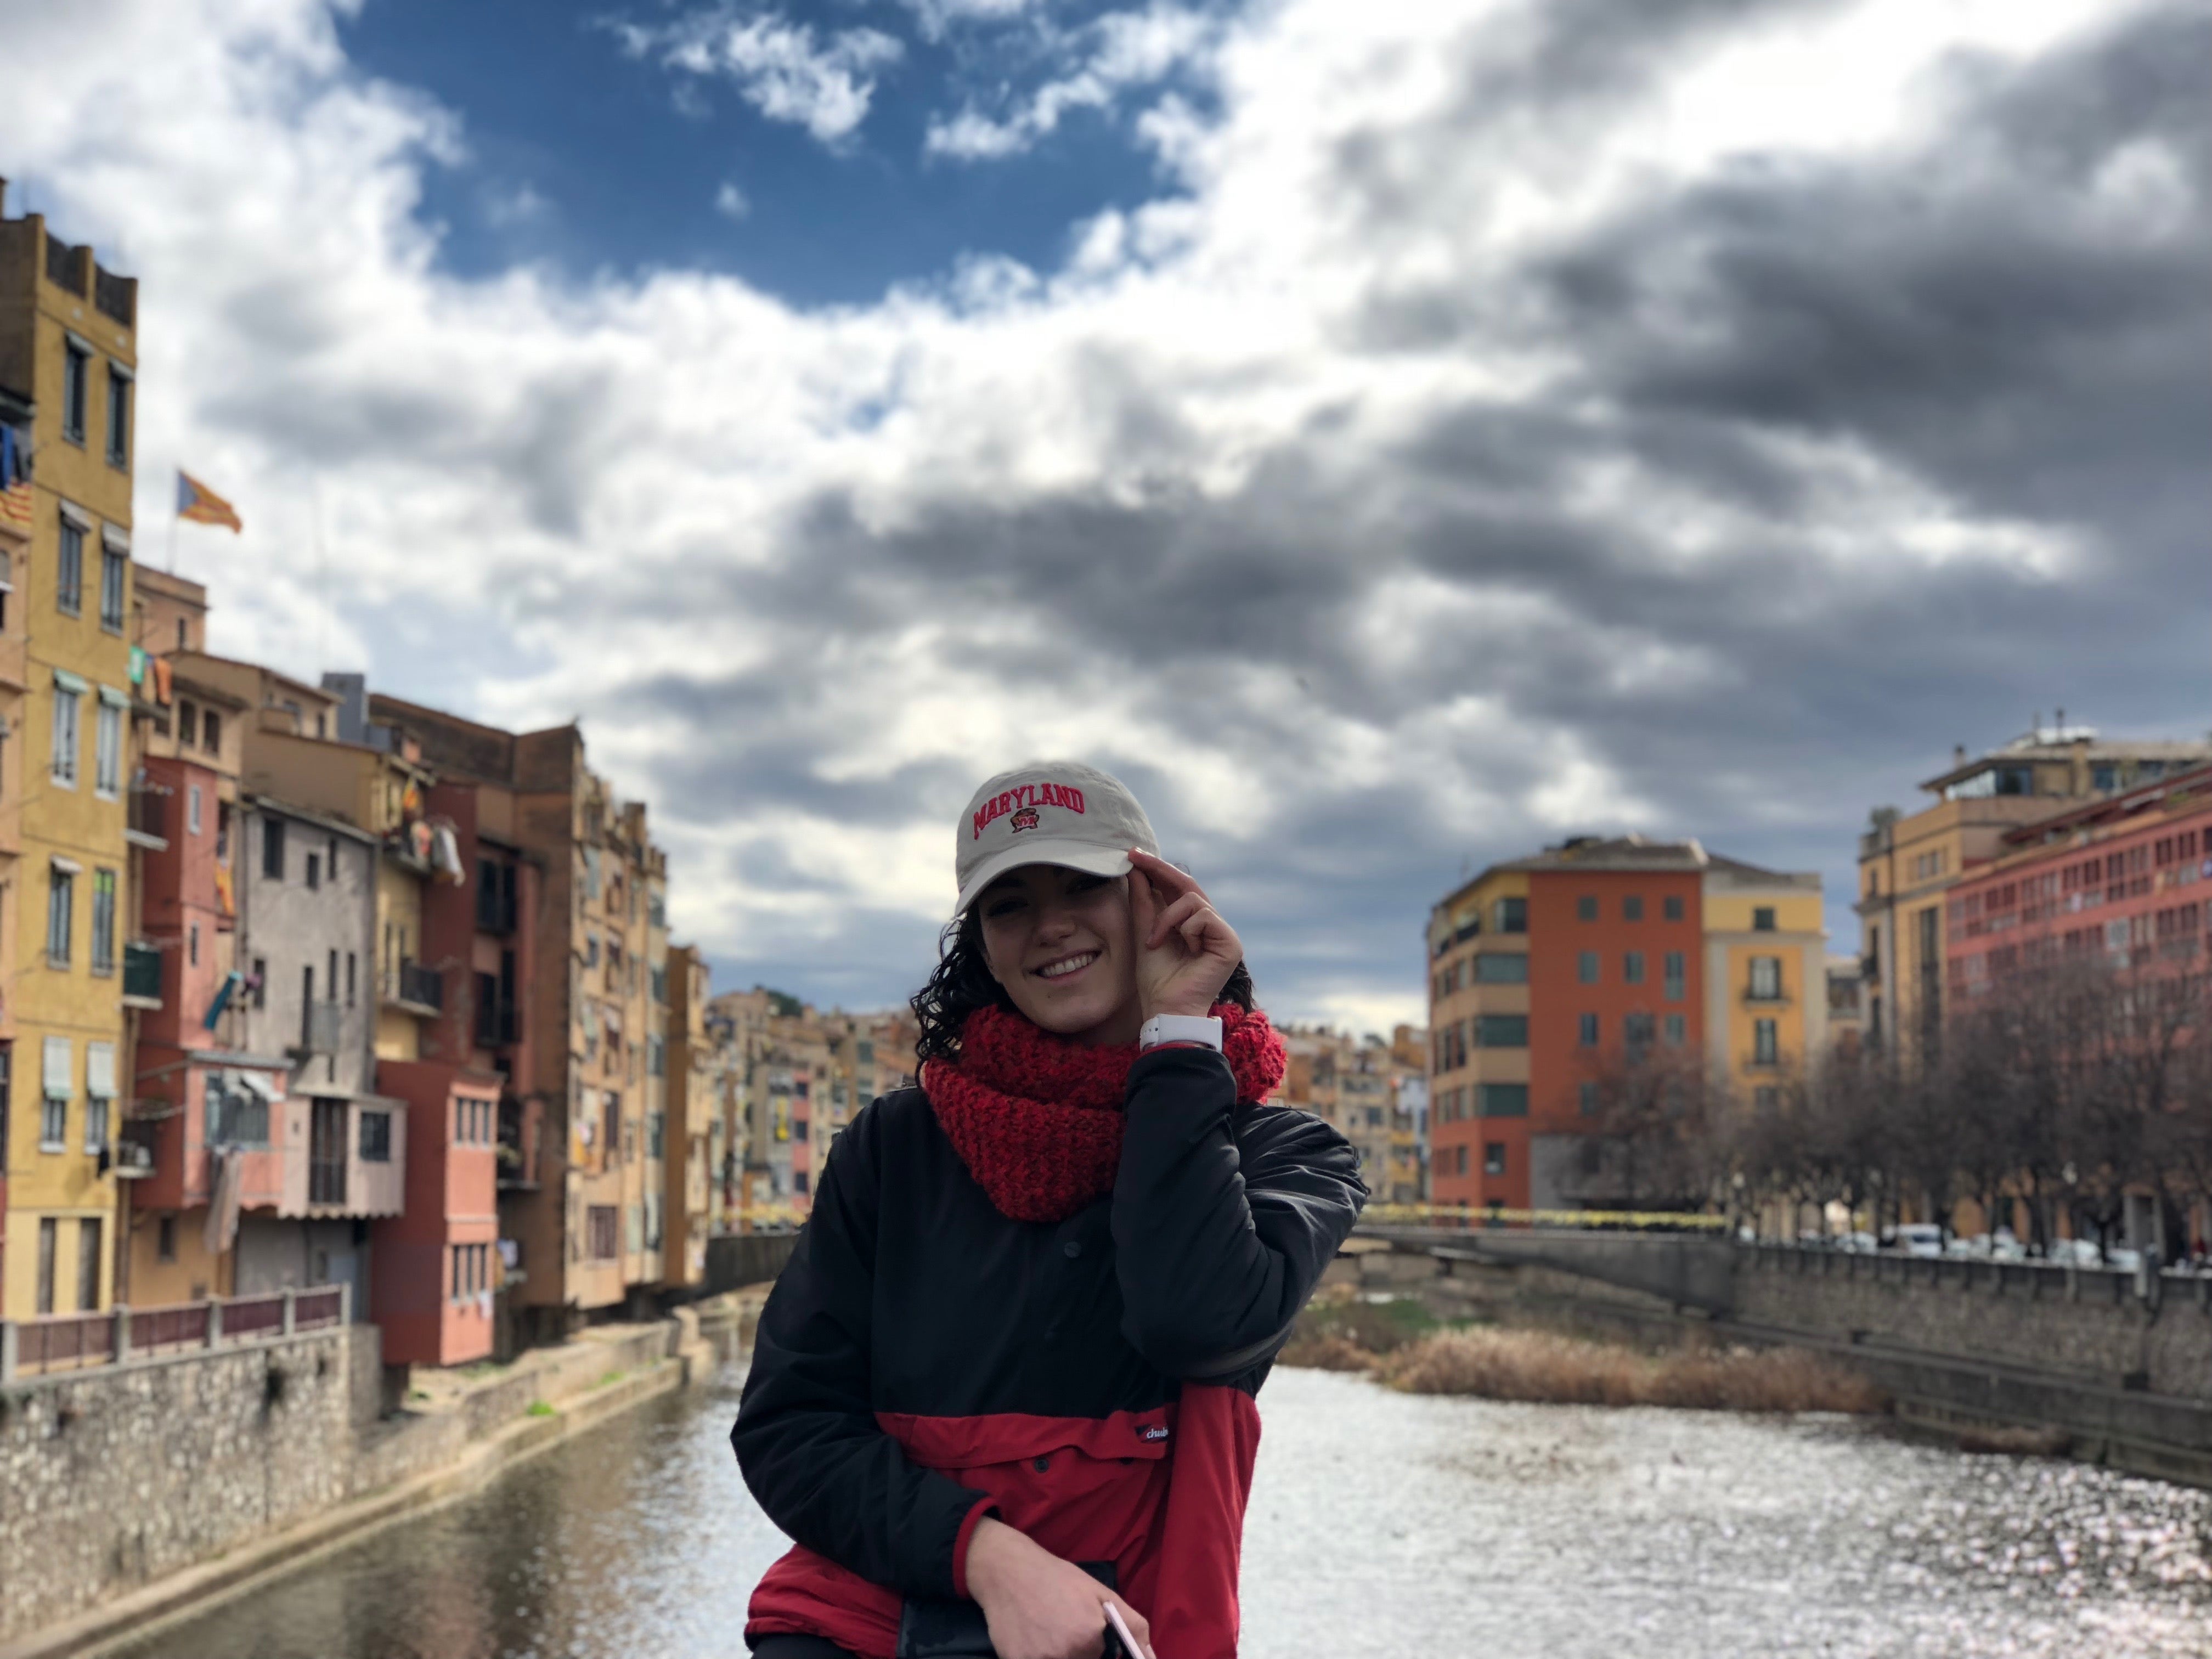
column 1381, row 1525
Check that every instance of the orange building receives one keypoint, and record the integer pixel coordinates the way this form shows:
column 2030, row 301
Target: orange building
column 1554, row 978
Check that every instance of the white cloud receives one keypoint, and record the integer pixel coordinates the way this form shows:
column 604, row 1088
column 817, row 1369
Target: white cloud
column 730, row 202
column 777, row 66
column 1296, row 493
column 1118, row 51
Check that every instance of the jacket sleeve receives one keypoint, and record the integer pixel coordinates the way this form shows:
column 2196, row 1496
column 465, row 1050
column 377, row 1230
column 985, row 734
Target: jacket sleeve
column 1218, row 1248
column 806, row 1435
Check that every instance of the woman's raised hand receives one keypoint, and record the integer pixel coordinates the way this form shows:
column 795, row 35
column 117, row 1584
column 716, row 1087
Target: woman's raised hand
column 1185, row 951
column 1039, row 1607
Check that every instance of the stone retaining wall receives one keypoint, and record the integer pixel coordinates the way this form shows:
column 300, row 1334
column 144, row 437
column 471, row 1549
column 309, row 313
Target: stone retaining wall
column 111, row 1479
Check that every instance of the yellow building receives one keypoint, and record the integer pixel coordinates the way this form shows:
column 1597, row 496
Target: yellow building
column 1907, row 864
column 1765, row 978
column 67, row 344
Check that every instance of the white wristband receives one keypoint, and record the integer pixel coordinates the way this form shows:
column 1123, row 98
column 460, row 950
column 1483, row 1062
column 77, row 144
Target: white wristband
column 1180, row 1028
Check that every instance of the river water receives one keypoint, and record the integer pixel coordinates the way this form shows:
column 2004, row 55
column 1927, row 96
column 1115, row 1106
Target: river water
column 1382, row 1525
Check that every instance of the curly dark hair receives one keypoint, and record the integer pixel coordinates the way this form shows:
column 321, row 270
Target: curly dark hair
column 961, row 983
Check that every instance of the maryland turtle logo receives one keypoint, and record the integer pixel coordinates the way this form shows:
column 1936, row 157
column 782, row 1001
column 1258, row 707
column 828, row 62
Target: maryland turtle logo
column 1024, row 818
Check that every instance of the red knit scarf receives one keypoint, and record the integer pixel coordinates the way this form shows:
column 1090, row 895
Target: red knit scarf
column 1037, row 1119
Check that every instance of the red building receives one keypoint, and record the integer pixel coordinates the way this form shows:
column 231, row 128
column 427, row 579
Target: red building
column 474, row 1114
column 2115, row 878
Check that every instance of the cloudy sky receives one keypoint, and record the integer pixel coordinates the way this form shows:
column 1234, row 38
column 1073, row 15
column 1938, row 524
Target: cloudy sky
column 1391, row 433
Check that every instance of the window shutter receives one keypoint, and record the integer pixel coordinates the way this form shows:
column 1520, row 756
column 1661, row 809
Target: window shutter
column 59, row 1062
column 100, row 1070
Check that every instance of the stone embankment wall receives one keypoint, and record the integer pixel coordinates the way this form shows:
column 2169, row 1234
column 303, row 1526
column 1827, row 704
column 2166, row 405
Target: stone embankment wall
column 2093, row 1326
column 111, row 1478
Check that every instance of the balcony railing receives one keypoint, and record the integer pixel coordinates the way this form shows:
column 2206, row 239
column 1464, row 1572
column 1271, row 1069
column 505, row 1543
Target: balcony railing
column 319, row 1025
column 149, row 820
column 418, row 987
column 72, row 1342
column 112, row 295
column 142, row 976
column 61, row 264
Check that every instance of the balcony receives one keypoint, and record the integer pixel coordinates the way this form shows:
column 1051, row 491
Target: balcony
column 320, row 1024
column 414, row 989
column 147, row 824
column 74, row 1342
column 114, row 297
column 521, row 1135
column 142, row 976
column 354, row 1163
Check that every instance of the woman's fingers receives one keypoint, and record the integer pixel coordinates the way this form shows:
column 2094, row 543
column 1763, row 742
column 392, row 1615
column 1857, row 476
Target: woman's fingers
column 1164, row 877
column 1175, row 918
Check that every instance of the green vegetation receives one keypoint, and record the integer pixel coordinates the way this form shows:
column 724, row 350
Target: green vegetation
column 611, row 1377
column 537, row 1408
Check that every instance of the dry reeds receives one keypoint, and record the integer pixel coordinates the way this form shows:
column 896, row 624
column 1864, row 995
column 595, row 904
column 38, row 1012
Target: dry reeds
column 1539, row 1366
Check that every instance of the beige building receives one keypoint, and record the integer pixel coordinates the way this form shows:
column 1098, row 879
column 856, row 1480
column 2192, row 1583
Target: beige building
column 1907, row 864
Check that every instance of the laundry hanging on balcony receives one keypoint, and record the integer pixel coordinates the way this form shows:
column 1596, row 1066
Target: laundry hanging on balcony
column 446, row 854
column 230, row 982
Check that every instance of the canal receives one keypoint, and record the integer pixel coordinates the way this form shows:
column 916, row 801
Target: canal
column 1383, row 1527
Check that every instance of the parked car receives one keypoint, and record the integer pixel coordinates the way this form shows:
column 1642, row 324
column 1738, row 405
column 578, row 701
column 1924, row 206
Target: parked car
column 1922, row 1238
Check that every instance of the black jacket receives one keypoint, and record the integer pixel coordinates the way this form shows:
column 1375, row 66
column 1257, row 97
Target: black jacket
column 924, row 1360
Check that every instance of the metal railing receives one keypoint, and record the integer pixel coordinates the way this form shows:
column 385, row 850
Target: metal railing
column 71, row 1342
column 425, row 986
column 319, row 1026
column 141, row 972
column 149, row 811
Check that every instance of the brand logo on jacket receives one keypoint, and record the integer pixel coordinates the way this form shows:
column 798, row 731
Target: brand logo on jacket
column 1156, row 1433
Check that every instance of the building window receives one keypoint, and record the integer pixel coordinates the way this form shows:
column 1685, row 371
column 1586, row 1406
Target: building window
column 65, row 719
column 114, row 564
column 57, row 1083
column 69, row 570
column 193, row 944
column 1501, row 1030
column 1676, row 1030
column 61, row 905
column 1512, row 915
column 1502, row 968
column 211, row 731
column 1501, row 1099
column 272, row 848
column 188, row 722
column 87, row 1264
column 1459, row 1162
column 1765, row 1047
column 107, row 750
column 192, row 809
column 656, row 1132
column 76, row 390
column 165, row 1238
column 1493, row 1158
column 376, row 1137
column 1586, row 1031
column 1632, row 907
column 1586, row 1099
column 1586, row 907
column 314, row 872
column 1671, row 907
column 1631, row 967
column 1762, row 919
column 99, row 1094
column 353, row 970
column 1766, row 979
column 47, row 1228
column 1636, row 1030
column 103, row 921
column 1675, row 968
column 118, row 416
column 261, row 981
column 1586, row 970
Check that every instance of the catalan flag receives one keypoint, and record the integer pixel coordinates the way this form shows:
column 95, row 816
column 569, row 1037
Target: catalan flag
column 195, row 501
column 15, row 479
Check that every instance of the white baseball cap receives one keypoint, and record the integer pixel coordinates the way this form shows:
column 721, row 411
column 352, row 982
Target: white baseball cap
column 1047, row 813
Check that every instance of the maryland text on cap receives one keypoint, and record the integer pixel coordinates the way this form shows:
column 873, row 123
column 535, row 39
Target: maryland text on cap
column 1047, row 813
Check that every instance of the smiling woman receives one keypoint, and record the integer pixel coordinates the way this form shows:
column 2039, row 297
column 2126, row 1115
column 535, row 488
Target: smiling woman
column 1004, row 1393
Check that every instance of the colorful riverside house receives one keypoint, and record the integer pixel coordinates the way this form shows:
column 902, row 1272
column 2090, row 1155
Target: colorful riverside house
column 1555, row 979
column 575, row 1216
column 697, row 1121
column 68, row 346
column 1909, row 863
column 18, row 415
column 448, row 1292
column 2123, row 881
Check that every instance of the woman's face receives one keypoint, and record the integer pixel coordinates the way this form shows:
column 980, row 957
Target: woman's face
column 1060, row 941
